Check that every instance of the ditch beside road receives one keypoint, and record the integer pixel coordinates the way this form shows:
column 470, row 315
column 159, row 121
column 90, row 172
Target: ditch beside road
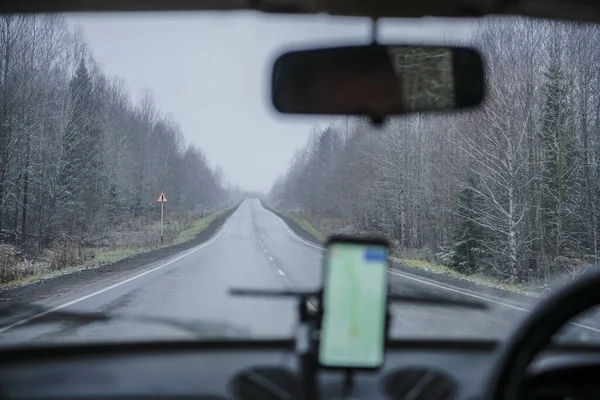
column 307, row 232
column 252, row 248
column 131, row 260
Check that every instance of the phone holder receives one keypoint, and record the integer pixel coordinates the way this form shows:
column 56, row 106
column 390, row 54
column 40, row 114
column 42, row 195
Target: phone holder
column 307, row 338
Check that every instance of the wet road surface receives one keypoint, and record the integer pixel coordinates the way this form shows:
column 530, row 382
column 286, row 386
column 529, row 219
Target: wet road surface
column 253, row 249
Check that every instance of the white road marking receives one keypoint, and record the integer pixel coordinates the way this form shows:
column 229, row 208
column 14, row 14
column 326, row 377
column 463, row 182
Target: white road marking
column 265, row 250
column 106, row 289
column 586, row 327
column 458, row 291
column 482, row 298
column 271, row 258
column 443, row 287
column 281, row 272
column 293, row 234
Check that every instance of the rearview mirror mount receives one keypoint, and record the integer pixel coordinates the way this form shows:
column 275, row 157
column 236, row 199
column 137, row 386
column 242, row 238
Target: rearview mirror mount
column 377, row 80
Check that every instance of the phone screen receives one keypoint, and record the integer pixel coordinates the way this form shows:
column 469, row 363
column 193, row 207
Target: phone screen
column 354, row 305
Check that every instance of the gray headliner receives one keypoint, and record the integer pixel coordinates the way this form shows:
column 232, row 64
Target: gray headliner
column 578, row 10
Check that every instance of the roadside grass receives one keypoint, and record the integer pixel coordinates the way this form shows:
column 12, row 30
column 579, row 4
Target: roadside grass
column 200, row 225
column 35, row 271
column 475, row 278
column 427, row 266
column 304, row 224
column 109, row 256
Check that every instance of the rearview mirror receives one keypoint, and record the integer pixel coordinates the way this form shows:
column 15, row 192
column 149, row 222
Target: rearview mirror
column 377, row 80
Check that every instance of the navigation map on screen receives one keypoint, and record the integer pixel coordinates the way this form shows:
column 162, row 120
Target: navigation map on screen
column 354, row 298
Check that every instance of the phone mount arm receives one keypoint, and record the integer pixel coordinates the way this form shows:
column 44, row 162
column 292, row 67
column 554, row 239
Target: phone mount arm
column 310, row 324
column 435, row 301
column 306, row 346
column 306, row 342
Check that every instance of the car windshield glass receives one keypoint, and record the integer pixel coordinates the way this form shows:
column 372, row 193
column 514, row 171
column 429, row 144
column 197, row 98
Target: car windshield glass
column 144, row 173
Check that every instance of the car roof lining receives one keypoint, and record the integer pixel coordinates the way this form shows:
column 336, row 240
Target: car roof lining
column 575, row 10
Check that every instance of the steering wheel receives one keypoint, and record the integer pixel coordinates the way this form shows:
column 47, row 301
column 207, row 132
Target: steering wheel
column 536, row 333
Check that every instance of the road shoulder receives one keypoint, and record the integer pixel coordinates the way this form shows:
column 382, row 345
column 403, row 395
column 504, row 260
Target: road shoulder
column 293, row 225
column 56, row 286
column 455, row 282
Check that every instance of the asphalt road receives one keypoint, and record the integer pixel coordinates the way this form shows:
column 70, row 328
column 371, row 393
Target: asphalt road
column 253, row 249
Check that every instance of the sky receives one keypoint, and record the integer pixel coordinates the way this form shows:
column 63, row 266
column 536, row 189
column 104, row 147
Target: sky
column 211, row 72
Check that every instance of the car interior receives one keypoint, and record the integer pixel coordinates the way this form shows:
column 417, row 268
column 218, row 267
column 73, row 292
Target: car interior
column 527, row 365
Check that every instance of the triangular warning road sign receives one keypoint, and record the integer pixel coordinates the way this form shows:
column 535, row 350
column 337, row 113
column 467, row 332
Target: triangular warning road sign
column 162, row 197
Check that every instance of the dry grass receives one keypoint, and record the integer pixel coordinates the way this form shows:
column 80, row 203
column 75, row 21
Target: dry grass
column 477, row 279
column 417, row 259
column 319, row 226
column 196, row 228
column 309, row 228
column 123, row 242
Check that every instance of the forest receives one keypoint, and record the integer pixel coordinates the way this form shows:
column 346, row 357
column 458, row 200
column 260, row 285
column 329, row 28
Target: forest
column 510, row 190
column 79, row 160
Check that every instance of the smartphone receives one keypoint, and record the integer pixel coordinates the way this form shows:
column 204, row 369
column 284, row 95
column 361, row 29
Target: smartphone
column 354, row 303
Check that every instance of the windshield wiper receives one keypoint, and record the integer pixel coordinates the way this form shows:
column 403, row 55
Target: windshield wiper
column 33, row 314
column 437, row 301
column 19, row 314
column 392, row 298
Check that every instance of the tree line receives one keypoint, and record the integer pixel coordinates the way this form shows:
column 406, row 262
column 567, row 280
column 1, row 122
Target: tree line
column 510, row 189
column 77, row 155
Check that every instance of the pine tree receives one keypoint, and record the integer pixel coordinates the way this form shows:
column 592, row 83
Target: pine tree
column 558, row 157
column 81, row 149
column 467, row 239
column 113, row 206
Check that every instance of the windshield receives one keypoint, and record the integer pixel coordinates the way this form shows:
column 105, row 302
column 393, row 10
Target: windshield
column 144, row 174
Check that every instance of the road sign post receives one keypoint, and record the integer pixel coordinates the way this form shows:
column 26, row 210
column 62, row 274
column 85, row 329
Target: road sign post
column 162, row 199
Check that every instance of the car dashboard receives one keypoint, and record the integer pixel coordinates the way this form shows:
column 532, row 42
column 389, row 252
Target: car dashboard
column 419, row 370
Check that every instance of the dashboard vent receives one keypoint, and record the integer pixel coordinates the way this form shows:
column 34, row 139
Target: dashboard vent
column 265, row 383
column 418, row 384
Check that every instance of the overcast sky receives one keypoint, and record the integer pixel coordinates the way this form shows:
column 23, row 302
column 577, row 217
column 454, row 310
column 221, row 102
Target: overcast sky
column 211, row 72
